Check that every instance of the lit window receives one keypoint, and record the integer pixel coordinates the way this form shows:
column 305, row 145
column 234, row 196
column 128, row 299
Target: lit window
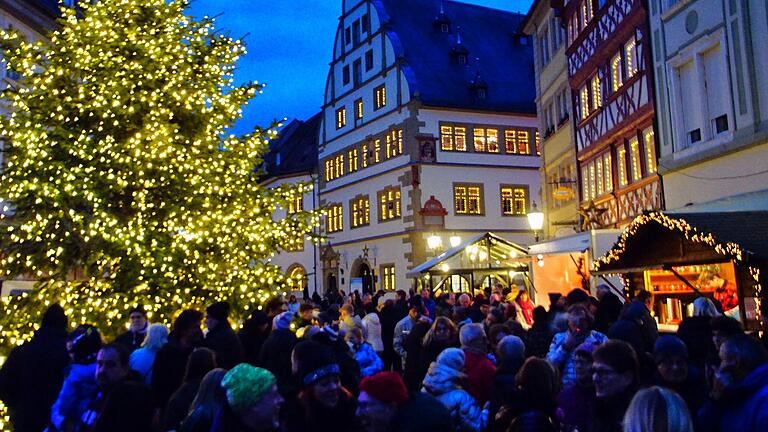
column 634, row 156
column 467, row 199
column 389, row 204
column 453, row 138
column 514, row 200
column 486, row 140
column 630, row 53
column 388, row 277
column 360, row 211
column 608, row 172
column 377, row 151
column 599, row 176
column 585, row 183
column 394, row 143
column 584, row 97
column 359, row 109
column 339, row 162
column 510, row 141
column 479, row 140
column 334, row 219
column 621, row 155
column 592, row 191
column 616, row 72
column 352, row 156
column 523, row 144
column 380, row 96
column 296, row 205
column 590, row 12
column 538, row 144
column 597, row 95
column 341, row 118
column 650, row 150
column 365, row 155
column 329, row 171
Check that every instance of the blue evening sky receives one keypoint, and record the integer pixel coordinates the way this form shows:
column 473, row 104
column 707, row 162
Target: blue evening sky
column 289, row 48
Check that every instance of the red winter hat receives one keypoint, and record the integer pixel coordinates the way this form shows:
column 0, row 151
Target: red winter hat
column 386, row 387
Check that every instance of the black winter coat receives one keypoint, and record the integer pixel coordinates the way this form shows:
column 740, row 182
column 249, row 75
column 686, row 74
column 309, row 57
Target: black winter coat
column 224, row 342
column 276, row 355
column 168, row 371
column 31, row 378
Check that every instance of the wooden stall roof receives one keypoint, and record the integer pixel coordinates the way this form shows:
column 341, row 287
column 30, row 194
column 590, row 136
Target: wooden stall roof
column 658, row 238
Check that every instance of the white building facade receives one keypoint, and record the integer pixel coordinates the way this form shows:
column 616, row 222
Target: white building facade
column 712, row 98
column 425, row 102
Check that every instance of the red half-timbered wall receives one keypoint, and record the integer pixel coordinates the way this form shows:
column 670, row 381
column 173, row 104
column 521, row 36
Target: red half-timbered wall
column 623, row 113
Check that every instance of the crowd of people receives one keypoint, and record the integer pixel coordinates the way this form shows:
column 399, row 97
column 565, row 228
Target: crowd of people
column 378, row 362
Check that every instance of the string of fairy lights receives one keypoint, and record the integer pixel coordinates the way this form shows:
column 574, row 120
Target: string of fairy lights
column 691, row 233
column 119, row 167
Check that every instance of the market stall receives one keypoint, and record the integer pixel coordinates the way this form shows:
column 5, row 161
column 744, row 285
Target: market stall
column 482, row 263
column 561, row 264
column 681, row 256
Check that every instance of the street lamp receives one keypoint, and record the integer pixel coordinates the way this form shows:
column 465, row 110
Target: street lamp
column 434, row 242
column 535, row 220
column 455, row 240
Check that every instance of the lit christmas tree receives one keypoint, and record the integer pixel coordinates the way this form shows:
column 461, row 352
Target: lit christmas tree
column 121, row 185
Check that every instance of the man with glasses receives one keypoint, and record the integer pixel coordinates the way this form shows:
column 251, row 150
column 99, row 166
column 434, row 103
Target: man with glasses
column 615, row 376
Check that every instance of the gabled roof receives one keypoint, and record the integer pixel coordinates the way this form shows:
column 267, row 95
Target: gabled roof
column 495, row 54
column 297, row 146
column 738, row 235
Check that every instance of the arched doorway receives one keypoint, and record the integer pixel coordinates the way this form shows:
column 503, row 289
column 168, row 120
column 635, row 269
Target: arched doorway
column 362, row 276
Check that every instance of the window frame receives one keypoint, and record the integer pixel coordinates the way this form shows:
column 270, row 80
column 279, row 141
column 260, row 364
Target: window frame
column 359, row 211
column 334, row 220
column 341, row 117
column 388, row 275
column 526, row 197
column 466, row 199
column 379, row 97
column 384, row 200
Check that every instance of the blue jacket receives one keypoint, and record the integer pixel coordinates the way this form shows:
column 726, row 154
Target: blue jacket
column 742, row 407
column 78, row 389
column 370, row 363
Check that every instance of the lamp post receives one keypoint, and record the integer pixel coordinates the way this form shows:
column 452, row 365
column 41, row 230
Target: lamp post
column 536, row 221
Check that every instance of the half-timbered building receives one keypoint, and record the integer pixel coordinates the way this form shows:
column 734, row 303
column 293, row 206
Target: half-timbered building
column 608, row 51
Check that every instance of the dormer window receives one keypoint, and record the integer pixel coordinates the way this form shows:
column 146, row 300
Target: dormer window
column 462, row 59
column 481, row 93
column 445, row 28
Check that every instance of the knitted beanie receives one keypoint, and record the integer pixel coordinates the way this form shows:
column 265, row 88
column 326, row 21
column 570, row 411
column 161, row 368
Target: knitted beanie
column 452, row 358
column 245, row 385
column 669, row 346
column 386, row 387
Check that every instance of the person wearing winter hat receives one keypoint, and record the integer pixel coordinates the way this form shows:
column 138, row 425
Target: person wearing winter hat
column 676, row 373
column 381, row 395
column 275, row 353
column 252, row 401
column 323, row 404
column 33, row 373
column 510, row 352
column 80, row 384
column 221, row 338
column 443, row 381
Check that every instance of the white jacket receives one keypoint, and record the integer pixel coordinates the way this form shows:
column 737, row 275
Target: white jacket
column 372, row 331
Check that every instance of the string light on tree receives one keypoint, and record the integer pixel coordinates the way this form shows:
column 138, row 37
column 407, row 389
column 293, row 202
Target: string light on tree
column 121, row 184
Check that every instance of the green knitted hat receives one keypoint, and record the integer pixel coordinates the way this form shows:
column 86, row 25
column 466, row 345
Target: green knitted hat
column 246, row 385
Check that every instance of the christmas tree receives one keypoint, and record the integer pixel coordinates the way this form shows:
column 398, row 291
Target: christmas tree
column 121, row 185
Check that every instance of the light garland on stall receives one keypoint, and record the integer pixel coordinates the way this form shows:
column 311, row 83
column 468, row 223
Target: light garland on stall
column 691, row 233
column 119, row 168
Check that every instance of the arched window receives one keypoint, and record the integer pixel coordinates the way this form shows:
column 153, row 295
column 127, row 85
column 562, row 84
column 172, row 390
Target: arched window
column 297, row 278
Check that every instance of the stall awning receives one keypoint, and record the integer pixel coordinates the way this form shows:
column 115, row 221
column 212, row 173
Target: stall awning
column 490, row 251
column 573, row 243
column 665, row 238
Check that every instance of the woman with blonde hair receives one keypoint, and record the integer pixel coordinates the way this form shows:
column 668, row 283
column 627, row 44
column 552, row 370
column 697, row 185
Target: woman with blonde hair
column 657, row 409
column 143, row 359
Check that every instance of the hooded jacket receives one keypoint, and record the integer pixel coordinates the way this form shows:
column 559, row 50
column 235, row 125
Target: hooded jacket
column 742, row 407
column 370, row 363
column 442, row 382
